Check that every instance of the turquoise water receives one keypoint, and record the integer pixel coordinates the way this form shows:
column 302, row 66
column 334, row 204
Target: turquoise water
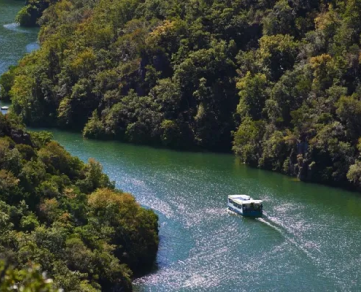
column 308, row 240
column 15, row 41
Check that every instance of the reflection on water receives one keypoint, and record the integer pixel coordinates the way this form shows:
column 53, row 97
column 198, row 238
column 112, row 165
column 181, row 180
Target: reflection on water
column 307, row 240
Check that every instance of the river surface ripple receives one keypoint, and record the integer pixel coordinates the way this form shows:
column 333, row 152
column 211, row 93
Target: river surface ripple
column 15, row 41
column 308, row 240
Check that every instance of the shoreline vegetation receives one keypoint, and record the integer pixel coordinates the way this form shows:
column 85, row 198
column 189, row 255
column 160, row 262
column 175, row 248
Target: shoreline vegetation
column 32, row 11
column 278, row 82
column 67, row 218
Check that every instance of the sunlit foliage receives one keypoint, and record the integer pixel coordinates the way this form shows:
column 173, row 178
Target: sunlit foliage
column 282, row 76
column 66, row 218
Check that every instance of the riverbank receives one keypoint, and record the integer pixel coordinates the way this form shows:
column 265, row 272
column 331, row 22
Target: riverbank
column 308, row 240
column 15, row 41
column 53, row 204
column 286, row 99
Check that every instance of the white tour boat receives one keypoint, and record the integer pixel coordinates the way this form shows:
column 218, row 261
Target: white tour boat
column 5, row 108
column 245, row 205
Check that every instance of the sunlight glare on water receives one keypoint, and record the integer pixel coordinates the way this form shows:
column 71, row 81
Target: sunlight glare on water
column 307, row 240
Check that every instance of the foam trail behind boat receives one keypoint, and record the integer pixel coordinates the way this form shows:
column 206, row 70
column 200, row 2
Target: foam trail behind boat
column 272, row 225
column 288, row 236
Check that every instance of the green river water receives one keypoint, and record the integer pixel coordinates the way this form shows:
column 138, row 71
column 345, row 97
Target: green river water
column 308, row 240
column 15, row 41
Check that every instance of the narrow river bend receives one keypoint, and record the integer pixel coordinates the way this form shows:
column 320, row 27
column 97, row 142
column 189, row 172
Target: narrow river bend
column 309, row 239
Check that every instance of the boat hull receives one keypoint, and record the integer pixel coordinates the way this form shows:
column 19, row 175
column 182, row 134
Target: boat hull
column 251, row 214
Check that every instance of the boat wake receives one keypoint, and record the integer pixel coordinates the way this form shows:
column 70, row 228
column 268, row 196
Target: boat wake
column 232, row 212
column 289, row 237
column 265, row 220
column 16, row 27
column 271, row 224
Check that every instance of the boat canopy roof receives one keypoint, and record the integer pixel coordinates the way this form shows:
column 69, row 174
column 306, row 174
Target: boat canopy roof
column 240, row 197
column 244, row 199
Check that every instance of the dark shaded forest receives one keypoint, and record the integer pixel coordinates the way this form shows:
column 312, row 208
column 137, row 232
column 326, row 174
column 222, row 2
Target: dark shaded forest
column 276, row 81
column 63, row 217
column 32, row 11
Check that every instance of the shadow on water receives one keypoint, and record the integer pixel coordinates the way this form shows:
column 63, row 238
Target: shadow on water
column 147, row 271
column 307, row 240
column 292, row 248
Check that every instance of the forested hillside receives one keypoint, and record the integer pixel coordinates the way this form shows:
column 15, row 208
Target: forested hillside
column 278, row 80
column 66, row 217
column 32, row 11
column 30, row 279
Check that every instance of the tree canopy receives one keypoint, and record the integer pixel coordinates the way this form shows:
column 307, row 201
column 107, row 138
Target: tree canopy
column 277, row 81
column 65, row 218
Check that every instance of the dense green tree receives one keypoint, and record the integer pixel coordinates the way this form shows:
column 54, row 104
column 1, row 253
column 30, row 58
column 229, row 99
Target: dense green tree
column 67, row 219
column 26, row 280
column 282, row 76
column 6, row 81
column 32, row 11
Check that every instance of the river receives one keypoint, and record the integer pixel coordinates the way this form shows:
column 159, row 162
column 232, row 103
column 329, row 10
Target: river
column 15, row 41
column 308, row 240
